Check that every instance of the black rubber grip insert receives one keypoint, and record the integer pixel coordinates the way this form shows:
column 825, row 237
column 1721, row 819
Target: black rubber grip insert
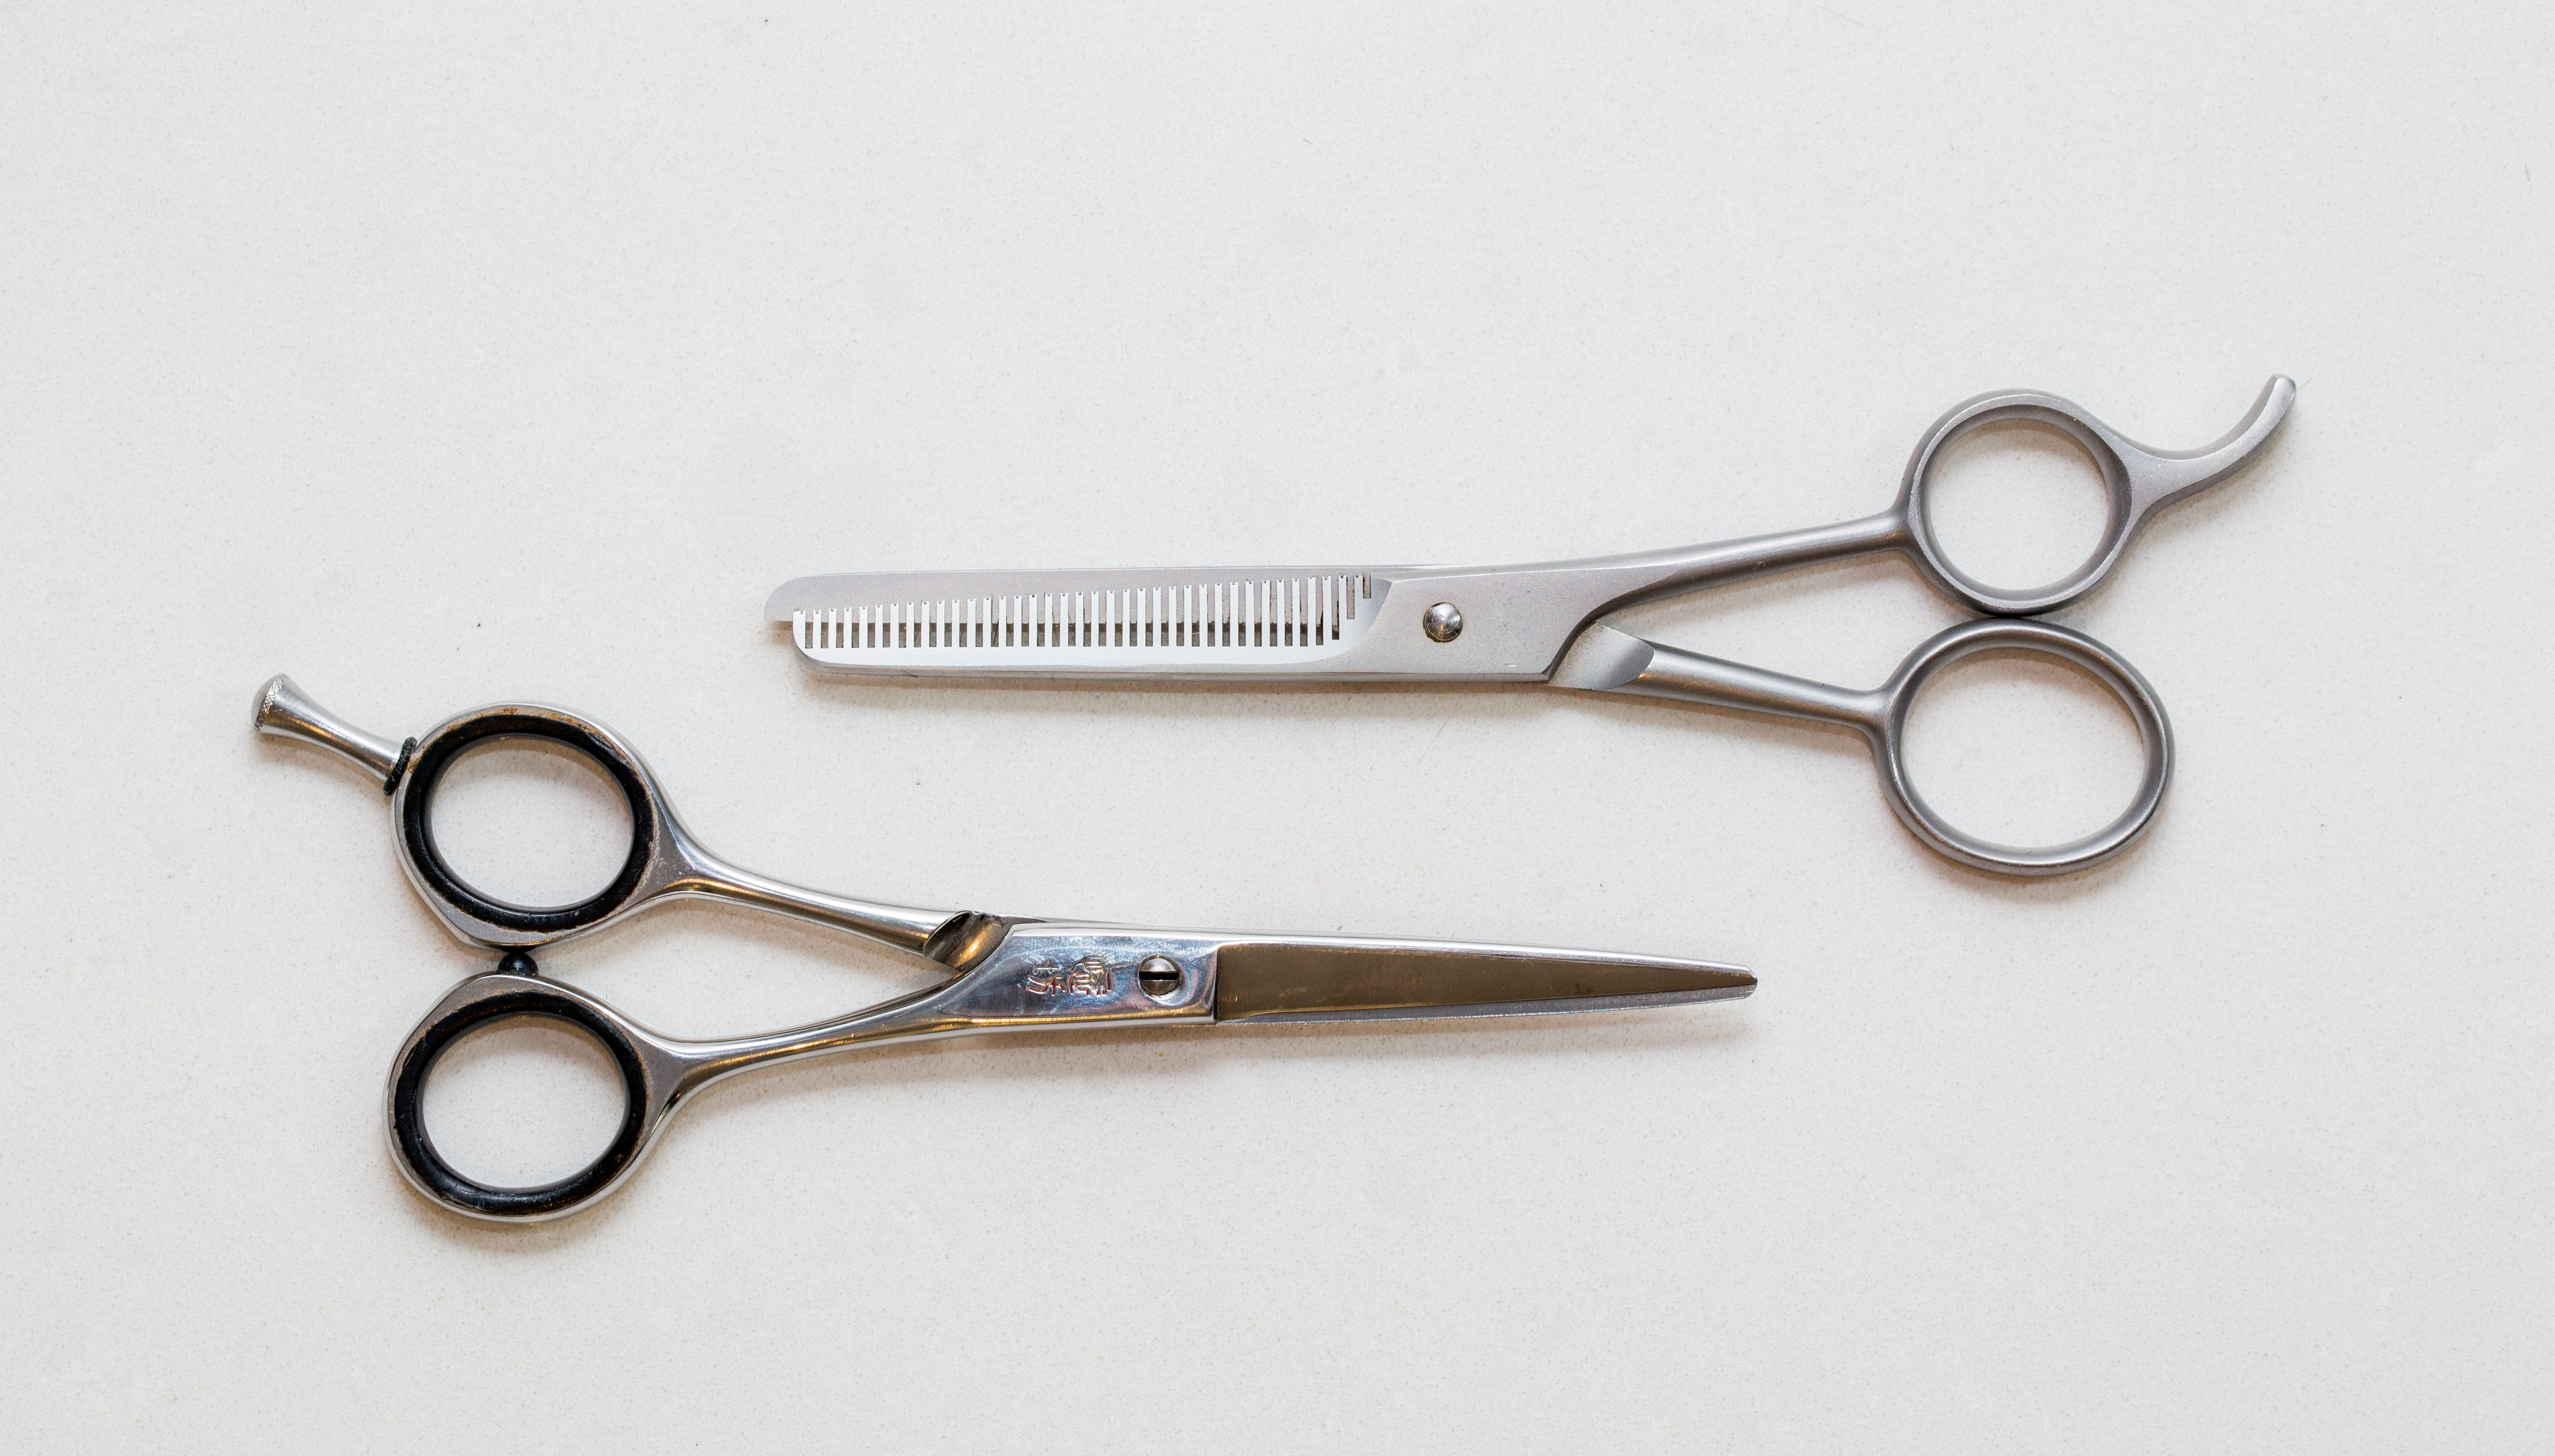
column 426, row 775
column 417, row 1149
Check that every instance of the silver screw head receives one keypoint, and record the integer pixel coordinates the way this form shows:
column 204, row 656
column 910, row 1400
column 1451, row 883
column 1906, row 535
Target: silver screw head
column 1442, row 621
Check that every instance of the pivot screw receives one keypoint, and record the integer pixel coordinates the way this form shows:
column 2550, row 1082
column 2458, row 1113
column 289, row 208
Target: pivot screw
column 1442, row 621
column 1160, row 975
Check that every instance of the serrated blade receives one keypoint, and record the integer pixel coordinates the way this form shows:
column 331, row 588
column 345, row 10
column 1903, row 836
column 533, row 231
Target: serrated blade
column 1325, row 978
column 1103, row 622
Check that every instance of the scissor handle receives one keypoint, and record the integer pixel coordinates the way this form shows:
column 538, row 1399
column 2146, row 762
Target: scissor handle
column 1119, row 976
column 649, row 1083
column 663, row 859
column 1887, row 732
column 654, row 842
column 1607, row 660
column 2137, row 483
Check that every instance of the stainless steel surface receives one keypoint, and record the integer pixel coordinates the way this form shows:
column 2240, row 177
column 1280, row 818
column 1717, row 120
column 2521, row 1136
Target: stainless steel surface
column 1442, row 621
column 285, row 711
column 1607, row 660
column 670, row 863
column 1518, row 622
column 1006, row 972
column 1337, row 978
column 1048, row 977
column 1082, row 623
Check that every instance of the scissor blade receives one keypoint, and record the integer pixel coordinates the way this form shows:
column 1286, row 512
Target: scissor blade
column 1315, row 979
column 1283, row 620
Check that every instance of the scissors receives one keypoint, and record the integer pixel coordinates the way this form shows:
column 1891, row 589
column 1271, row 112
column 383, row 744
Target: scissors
column 1538, row 623
column 1001, row 973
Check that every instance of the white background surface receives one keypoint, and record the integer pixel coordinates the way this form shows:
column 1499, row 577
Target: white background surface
column 487, row 353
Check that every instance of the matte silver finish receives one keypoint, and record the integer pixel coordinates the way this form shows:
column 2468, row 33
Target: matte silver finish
column 1532, row 623
column 1607, row 660
column 1006, row 974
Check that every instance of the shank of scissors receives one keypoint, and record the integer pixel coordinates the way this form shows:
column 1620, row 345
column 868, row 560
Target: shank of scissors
column 1001, row 973
column 1538, row 622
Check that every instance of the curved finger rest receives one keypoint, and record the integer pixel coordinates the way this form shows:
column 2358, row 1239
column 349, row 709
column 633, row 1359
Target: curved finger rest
column 2104, row 665
column 2137, row 483
column 482, row 916
column 513, row 991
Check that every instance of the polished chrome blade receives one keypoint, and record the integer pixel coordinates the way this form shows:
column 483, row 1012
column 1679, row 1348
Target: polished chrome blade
column 1326, row 978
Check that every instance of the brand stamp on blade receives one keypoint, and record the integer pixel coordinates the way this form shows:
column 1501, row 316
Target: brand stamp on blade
column 1089, row 976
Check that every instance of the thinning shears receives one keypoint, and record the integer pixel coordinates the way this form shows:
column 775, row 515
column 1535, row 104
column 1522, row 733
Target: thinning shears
column 1538, row 623
column 1001, row 973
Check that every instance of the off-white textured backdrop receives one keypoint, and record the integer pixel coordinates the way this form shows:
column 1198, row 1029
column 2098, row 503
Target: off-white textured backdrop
column 498, row 351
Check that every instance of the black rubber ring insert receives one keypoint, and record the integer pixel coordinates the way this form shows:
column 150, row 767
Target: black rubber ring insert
column 426, row 775
column 408, row 1112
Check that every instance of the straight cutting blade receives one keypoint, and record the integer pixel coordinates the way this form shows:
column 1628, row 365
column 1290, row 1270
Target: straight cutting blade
column 1324, row 977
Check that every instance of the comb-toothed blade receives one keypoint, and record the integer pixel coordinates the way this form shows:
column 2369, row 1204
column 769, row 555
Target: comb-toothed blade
column 1338, row 979
column 1079, row 623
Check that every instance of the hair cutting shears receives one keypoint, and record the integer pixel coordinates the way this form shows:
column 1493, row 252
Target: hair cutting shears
column 1003, row 973
column 1538, row 623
